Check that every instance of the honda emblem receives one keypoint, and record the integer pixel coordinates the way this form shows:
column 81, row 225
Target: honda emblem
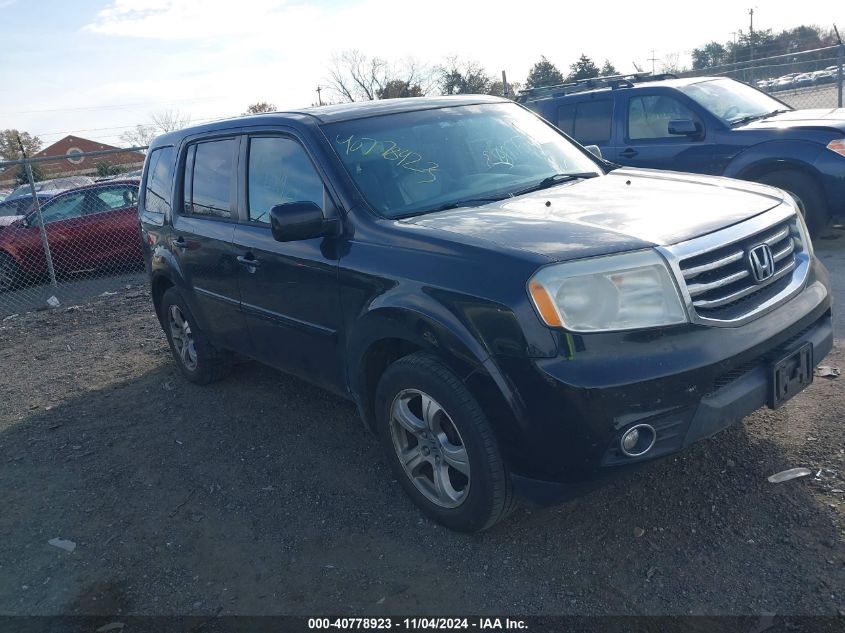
column 762, row 262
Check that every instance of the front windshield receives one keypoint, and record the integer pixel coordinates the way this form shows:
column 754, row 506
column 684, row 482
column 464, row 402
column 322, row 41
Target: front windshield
column 731, row 100
column 417, row 162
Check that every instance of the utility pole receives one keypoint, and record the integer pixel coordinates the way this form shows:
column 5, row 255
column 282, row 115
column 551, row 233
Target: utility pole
column 734, row 49
column 653, row 59
column 841, row 61
column 319, row 98
column 751, row 43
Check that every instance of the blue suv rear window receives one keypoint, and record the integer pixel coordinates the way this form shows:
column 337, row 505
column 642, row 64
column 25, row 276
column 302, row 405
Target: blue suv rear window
column 587, row 122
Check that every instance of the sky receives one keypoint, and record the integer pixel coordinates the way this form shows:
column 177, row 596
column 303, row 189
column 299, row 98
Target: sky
column 95, row 68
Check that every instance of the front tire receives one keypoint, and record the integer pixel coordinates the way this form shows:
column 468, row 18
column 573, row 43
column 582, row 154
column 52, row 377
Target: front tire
column 441, row 445
column 198, row 360
column 806, row 193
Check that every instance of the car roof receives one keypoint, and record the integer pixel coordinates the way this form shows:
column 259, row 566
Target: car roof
column 332, row 114
column 572, row 90
column 100, row 185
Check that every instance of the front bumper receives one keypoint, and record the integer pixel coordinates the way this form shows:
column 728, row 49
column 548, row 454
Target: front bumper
column 688, row 383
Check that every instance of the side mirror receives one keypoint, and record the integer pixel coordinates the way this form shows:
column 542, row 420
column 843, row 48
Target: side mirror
column 303, row 220
column 594, row 150
column 684, row 127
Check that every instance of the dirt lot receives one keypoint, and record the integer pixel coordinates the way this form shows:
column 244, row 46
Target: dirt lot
column 263, row 495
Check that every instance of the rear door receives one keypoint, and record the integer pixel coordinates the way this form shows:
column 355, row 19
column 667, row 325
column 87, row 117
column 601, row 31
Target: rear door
column 647, row 141
column 289, row 290
column 201, row 239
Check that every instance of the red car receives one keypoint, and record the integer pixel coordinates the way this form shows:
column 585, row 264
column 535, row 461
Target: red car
column 88, row 229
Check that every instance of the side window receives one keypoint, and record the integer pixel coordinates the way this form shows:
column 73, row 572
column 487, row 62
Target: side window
column 211, row 178
column 63, row 208
column 11, row 207
column 592, row 121
column 566, row 117
column 112, row 198
column 649, row 116
column 279, row 172
column 158, row 192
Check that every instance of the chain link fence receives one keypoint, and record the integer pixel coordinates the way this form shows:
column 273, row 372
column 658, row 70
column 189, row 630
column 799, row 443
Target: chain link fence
column 803, row 79
column 72, row 234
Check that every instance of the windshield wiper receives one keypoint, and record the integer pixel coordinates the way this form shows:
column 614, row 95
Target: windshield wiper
column 553, row 180
column 466, row 202
column 755, row 117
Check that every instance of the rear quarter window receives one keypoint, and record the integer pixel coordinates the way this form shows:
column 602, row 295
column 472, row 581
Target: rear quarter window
column 586, row 121
column 159, row 186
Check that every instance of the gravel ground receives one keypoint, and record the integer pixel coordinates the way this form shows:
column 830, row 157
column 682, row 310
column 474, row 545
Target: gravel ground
column 263, row 495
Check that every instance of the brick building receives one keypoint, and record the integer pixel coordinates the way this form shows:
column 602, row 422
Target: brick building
column 70, row 147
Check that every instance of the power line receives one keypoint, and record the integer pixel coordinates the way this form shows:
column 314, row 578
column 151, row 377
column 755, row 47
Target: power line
column 111, row 107
column 121, row 127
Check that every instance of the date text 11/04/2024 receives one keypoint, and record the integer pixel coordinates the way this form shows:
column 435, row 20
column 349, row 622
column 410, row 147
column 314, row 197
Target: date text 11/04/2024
column 413, row 624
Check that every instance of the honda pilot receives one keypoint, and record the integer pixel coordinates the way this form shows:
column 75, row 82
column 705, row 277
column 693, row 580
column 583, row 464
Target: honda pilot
column 514, row 317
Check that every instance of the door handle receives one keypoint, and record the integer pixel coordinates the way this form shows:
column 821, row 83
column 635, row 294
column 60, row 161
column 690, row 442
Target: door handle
column 249, row 262
column 628, row 153
column 180, row 243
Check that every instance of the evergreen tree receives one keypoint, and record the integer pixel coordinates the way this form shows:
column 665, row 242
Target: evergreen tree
column 543, row 73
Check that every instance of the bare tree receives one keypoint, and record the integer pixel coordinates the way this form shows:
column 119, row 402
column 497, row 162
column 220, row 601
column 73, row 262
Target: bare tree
column 160, row 123
column 353, row 76
column 260, row 107
column 671, row 64
column 170, row 120
column 139, row 136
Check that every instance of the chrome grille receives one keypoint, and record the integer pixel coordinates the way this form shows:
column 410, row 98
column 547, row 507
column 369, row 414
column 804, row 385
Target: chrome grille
column 718, row 275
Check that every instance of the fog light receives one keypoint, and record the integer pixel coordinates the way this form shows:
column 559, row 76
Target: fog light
column 630, row 439
column 638, row 440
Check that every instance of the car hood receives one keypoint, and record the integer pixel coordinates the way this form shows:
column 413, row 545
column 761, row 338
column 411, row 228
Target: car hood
column 827, row 118
column 625, row 210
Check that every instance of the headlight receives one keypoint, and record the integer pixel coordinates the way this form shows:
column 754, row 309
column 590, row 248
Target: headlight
column 803, row 231
column 837, row 145
column 619, row 292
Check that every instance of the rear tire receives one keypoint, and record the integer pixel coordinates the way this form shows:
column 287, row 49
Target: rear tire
column 198, row 360
column 806, row 193
column 441, row 445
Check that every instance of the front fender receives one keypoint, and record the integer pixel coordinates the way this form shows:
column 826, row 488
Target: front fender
column 416, row 318
column 772, row 155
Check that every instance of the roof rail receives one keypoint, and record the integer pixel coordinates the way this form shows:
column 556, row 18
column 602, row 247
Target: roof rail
column 612, row 81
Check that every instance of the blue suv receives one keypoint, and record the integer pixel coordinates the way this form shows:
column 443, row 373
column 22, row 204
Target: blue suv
column 706, row 125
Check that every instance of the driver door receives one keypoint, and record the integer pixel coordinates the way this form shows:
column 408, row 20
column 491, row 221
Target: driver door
column 648, row 143
column 289, row 290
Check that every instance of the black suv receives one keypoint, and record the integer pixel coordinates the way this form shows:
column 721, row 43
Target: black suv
column 512, row 316
column 707, row 125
